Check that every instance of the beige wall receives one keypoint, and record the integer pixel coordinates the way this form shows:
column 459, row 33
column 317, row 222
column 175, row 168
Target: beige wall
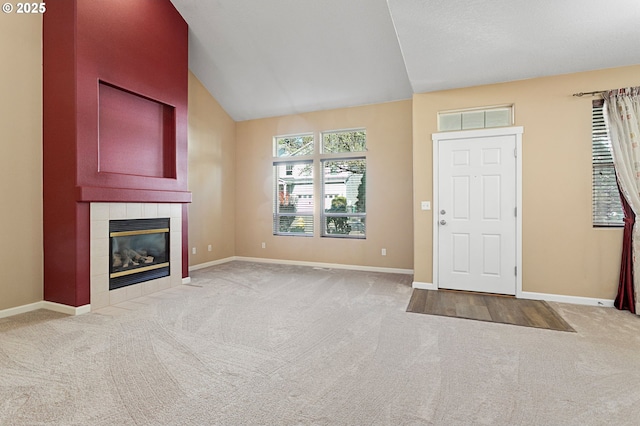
column 389, row 188
column 562, row 253
column 21, row 253
column 212, row 135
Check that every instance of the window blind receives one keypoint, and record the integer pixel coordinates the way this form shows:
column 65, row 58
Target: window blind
column 607, row 209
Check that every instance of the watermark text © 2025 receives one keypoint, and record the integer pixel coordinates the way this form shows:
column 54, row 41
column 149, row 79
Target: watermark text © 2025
column 24, row 8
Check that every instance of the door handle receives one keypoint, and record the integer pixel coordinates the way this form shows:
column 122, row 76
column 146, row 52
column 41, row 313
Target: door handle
column 443, row 222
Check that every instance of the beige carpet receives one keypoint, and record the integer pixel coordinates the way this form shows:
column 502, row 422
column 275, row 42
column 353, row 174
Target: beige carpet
column 258, row 344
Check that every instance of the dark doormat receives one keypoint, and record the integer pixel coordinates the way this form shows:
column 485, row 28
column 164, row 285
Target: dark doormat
column 486, row 307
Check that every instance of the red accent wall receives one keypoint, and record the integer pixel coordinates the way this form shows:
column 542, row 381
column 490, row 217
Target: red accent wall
column 138, row 48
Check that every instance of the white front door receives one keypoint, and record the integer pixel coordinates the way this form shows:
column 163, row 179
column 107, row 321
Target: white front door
column 476, row 217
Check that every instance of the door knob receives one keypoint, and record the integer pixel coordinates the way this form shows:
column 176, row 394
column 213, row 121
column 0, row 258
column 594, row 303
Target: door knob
column 443, row 222
column 443, row 211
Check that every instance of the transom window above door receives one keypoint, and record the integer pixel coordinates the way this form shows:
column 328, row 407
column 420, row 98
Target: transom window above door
column 475, row 118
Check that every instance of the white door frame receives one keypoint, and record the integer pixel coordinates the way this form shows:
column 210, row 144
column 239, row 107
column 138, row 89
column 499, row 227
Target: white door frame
column 470, row 134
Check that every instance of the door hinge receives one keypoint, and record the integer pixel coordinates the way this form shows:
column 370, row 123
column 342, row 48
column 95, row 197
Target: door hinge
column 515, row 270
column 515, row 152
column 515, row 211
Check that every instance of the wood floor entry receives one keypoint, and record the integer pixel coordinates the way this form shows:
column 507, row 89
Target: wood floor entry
column 484, row 307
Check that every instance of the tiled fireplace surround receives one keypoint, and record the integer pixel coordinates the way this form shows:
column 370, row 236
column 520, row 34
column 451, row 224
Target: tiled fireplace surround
column 101, row 214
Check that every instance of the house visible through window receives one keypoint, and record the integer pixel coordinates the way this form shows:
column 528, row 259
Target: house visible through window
column 341, row 159
column 344, row 171
column 607, row 209
column 293, row 208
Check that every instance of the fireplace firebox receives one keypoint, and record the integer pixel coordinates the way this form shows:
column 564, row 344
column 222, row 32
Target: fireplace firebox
column 139, row 251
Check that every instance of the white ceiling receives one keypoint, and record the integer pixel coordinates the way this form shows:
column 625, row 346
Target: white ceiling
column 263, row 58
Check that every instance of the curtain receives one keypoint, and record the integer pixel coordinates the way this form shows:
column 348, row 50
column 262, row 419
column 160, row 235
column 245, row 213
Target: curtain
column 623, row 118
column 625, row 297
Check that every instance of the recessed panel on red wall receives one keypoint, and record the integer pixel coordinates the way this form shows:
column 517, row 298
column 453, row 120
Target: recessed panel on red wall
column 136, row 135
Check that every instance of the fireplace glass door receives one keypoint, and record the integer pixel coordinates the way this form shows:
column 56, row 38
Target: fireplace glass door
column 139, row 251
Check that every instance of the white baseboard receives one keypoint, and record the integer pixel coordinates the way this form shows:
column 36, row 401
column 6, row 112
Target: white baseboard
column 576, row 300
column 43, row 304
column 20, row 309
column 212, row 263
column 66, row 309
column 186, row 280
column 424, row 286
column 326, row 265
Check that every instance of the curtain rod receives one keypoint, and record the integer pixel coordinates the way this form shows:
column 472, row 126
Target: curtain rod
column 581, row 94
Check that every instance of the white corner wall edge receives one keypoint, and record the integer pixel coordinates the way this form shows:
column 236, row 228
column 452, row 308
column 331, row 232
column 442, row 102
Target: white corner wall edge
column 51, row 306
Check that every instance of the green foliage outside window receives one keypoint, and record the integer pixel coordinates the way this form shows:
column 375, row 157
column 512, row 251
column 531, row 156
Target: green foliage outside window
column 294, row 146
column 287, row 205
column 355, row 141
column 338, row 224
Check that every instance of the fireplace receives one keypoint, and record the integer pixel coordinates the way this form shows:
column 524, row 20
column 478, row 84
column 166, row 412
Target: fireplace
column 139, row 251
column 103, row 217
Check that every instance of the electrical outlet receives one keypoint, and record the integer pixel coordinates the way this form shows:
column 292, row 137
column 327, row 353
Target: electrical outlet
column 209, row 247
column 384, row 252
column 264, row 245
column 193, row 250
column 425, row 205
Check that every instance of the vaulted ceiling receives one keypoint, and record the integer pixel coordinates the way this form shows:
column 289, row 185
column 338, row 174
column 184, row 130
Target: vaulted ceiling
column 263, row 58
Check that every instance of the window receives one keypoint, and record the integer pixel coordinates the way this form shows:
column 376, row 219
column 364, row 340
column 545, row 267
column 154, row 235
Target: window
column 341, row 159
column 475, row 118
column 344, row 171
column 293, row 207
column 607, row 209
column 294, row 146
